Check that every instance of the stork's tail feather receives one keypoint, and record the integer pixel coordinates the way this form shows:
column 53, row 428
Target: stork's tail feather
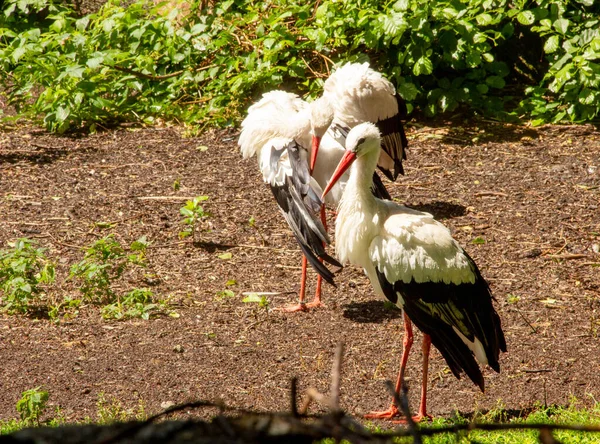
column 456, row 353
column 313, row 260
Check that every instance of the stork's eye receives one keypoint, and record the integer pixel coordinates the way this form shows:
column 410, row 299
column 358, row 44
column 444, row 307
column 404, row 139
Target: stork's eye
column 360, row 142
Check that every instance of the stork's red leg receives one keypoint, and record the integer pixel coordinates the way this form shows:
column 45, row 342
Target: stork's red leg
column 406, row 346
column 301, row 306
column 423, row 405
column 317, row 300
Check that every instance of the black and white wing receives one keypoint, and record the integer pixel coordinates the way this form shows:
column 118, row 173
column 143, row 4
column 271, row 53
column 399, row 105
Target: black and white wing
column 360, row 94
column 422, row 268
column 393, row 139
column 285, row 169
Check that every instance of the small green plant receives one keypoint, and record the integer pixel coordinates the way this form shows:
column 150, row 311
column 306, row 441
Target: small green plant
column 256, row 298
column 138, row 303
column 225, row 294
column 32, row 404
column 104, row 262
column 478, row 241
column 512, row 299
column 193, row 214
column 68, row 308
column 23, row 270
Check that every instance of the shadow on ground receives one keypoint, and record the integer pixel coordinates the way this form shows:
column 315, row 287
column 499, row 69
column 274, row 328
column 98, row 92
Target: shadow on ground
column 372, row 312
column 441, row 210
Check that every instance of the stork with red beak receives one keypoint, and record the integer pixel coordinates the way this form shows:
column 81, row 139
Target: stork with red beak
column 413, row 261
column 283, row 131
column 357, row 93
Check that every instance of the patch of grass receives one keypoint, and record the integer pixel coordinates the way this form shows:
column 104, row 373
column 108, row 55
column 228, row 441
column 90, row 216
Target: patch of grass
column 570, row 415
column 138, row 303
column 112, row 410
column 103, row 263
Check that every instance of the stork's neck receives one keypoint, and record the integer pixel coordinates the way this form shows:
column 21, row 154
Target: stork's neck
column 358, row 188
column 358, row 220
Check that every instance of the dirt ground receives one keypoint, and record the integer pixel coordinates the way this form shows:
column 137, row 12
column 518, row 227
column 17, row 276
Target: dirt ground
column 532, row 194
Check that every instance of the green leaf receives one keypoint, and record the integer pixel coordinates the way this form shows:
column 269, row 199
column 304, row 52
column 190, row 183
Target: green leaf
column 561, row 25
column 423, row 66
column 140, row 245
column 62, row 114
column 408, row 91
column 252, row 297
column 495, row 82
column 526, row 17
column 478, row 240
column 482, row 88
column 484, row 19
column 225, row 256
column 587, row 97
column 551, row 44
column 225, row 294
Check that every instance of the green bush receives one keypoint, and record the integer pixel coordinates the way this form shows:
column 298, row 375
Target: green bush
column 24, row 269
column 520, row 59
column 104, row 262
column 31, row 406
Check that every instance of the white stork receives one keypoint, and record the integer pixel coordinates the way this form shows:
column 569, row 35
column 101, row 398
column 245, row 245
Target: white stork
column 358, row 94
column 412, row 260
column 353, row 94
column 282, row 130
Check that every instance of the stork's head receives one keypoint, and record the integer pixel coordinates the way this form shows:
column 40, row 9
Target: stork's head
column 362, row 140
column 321, row 116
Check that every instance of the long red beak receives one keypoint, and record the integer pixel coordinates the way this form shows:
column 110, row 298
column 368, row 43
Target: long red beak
column 344, row 164
column 316, row 141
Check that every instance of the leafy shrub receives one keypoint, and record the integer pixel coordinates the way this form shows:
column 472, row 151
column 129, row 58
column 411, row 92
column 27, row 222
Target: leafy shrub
column 23, row 270
column 506, row 59
column 32, row 404
column 103, row 263
column 138, row 303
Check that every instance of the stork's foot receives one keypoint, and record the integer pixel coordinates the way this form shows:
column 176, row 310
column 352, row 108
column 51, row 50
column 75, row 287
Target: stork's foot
column 417, row 418
column 393, row 413
column 293, row 308
column 390, row 413
column 301, row 307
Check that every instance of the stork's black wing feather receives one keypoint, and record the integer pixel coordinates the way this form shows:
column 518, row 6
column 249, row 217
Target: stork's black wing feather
column 300, row 205
column 437, row 309
column 338, row 132
column 393, row 139
column 378, row 188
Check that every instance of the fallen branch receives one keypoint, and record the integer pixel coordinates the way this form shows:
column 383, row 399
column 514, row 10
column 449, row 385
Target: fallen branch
column 566, row 256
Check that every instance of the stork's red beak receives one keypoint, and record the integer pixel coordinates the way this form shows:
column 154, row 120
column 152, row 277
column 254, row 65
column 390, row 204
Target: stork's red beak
column 344, row 164
column 316, row 141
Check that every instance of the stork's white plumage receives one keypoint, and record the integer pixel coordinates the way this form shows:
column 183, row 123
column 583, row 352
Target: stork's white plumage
column 412, row 260
column 282, row 130
column 358, row 94
column 352, row 94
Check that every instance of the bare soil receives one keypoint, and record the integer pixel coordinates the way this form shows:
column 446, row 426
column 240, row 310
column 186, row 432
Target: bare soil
column 531, row 194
